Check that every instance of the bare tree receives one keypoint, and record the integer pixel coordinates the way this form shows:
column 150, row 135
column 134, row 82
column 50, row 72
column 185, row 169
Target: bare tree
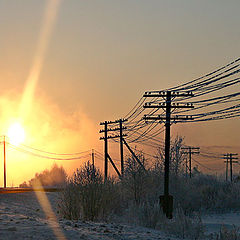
column 135, row 177
column 176, row 156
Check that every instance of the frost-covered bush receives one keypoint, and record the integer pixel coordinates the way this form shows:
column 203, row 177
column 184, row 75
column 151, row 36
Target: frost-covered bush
column 217, row 195
column 145, row 214
column 135, row 181
column 87, row 195
column 151, row 215
column 69, row 206
column 184, row 226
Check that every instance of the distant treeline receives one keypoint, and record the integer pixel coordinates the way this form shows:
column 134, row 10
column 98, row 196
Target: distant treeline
column 55, row 177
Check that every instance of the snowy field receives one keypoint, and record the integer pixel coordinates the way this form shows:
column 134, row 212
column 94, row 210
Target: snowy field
column 213, row 222
column 21, row 217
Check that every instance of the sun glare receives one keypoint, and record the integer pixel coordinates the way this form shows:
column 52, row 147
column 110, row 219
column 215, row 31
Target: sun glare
column 16, row 134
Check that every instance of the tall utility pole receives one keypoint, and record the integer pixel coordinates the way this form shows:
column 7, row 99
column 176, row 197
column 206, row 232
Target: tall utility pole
column 190, row 152
column 105, row 150
column 121, row 145
column 4, row 155
column 106, row 137
column 229, row 156
column 167, row 200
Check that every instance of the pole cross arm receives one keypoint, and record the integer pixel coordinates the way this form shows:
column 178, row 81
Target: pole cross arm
column 112, row 122
column 112, row 129
column 161, row 105
column 164, row 94
column 115, row 136
column 175, row 118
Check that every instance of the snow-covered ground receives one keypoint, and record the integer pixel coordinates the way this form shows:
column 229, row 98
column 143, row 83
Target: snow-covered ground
column 21, row 217
column 214, row 221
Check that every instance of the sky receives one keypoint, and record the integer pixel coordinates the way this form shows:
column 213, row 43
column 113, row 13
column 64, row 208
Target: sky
column 98, row 59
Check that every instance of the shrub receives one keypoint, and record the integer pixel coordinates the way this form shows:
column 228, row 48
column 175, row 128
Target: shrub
column 134, row 183
column 184, row 226
column 69, row 206
column 150, row 215
column 87, row 196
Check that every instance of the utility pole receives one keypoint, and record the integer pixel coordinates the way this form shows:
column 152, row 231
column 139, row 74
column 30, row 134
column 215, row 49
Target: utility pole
column 93, row 157
column 226, row 167
column 121, row 128
column 4, row 155
column 190, row 153
column 106, row 137
column 186, row 167
column 166, row 200
column 105, row 150
column 231, row 158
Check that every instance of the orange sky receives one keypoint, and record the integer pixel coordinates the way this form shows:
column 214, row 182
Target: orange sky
column 95, row 60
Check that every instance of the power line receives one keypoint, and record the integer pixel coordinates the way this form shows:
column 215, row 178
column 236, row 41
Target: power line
column 45, row 157
column 54, row 153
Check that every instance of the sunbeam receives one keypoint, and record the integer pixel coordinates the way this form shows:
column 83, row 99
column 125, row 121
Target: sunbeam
column 48, row 23
column 47, row 208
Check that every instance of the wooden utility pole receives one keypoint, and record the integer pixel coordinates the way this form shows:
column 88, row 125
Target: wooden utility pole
column 230, row 159
column 93, row 158
column 190, row 152
column 4, row 155
column 105, row 150
column 121, row 145
column 167, row 149
column 227, row 168
column 106, row 137
column 167, row 200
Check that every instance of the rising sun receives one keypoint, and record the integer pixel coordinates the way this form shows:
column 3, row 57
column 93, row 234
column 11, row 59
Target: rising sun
column 16, row 134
